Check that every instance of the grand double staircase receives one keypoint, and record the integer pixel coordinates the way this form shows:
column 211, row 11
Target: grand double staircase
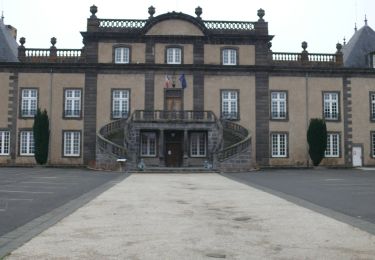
column 232, row 153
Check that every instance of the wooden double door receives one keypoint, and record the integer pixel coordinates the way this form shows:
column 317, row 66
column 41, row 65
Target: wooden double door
column 174, row 148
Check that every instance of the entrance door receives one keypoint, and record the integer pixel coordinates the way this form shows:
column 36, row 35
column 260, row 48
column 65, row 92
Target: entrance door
column 173, row 148
column 173, row 157
column 357, row 156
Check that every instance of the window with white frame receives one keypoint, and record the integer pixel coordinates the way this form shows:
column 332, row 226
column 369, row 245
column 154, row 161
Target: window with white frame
column 229, row 104
column 26, row 143
column 333, row 145
column 372, row 105
column 148, row 144
column 229, row 56
column 4, row 142
column 72, row 143
column 122, row 55
column 29, row 102
column 72, row 103
column 373, row 144
column 331, row 106
column 279, row 144
column 278, row 105
column 120, row 103
column 174, row 55
column 198, row 144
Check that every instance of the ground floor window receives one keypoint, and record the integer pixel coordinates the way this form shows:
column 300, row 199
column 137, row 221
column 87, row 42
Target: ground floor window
column 373, row 144
column 279, row 144
column 72, row 143
column 4, row 142
column 333, row 145
column 148, row 144
column 26, row 143
column 198, row 144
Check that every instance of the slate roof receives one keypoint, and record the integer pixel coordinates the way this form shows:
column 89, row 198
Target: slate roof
column 8, row 45
column 359, row 46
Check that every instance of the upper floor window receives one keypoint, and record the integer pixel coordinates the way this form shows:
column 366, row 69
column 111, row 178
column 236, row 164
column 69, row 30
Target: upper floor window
column 229, row 56
column 148, row 144
column 120, row 103
column 278, row 105
column 333, row 145
column 331, row 105
column 372, row 106
column 198, row 144
column 229, row 104
column 72, row 143
column 279, row 144
column 174, row 55
column 122, row 55
column 4, row 142
column 29, row 102
column 72, row 103
column 26, row 143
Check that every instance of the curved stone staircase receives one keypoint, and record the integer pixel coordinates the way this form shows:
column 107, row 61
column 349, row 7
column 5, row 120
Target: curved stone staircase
column 233, row 154
column 236, row 153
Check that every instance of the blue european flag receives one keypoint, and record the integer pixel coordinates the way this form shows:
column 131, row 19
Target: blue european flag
column 183, row 80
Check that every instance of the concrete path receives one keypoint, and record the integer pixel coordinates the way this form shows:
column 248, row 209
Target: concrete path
column 193, row 216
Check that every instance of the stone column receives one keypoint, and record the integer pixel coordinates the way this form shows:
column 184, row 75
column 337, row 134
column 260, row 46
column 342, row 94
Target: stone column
column 186, row 146
column 161, row 148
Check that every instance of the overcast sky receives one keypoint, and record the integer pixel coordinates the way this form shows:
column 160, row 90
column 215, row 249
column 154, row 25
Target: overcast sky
column 322, row 23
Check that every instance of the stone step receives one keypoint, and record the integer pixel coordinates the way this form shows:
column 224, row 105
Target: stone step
column 174, row 170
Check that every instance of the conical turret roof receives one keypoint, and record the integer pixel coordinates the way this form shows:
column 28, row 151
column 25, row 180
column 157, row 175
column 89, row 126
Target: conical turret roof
column 359, row 46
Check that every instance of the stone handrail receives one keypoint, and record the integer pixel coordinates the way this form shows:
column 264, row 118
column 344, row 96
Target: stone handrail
column 48, row 55
column 229, row 25
column 237, row 147
column 105, row 144
column 311, row 57
column 122, row 23
column 166, row 116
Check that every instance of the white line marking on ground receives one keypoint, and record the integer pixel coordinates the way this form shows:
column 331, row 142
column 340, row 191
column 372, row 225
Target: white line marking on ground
column 31, row 192
column 334, row 179
column 46, row 182
column 12, row 199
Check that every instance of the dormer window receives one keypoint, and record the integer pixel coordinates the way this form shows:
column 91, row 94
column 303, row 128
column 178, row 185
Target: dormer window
column 122, row 55
column 174, row 55
column 229, row 56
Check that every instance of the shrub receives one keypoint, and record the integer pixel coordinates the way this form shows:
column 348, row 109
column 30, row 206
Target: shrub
column 41, row 136
column 317, row 139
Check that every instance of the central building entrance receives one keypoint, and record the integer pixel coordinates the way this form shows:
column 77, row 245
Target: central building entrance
column 174, row 149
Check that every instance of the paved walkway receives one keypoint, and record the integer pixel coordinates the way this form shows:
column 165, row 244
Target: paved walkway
column 193, row 216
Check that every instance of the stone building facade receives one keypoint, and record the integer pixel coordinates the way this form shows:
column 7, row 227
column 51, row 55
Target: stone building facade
column 175, row 90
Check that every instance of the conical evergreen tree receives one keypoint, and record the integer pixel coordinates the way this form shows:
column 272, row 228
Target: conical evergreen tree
column 317, row 139
column 41, row 136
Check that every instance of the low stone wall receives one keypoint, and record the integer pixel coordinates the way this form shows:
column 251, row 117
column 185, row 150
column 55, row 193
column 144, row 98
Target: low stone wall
column 238, row 163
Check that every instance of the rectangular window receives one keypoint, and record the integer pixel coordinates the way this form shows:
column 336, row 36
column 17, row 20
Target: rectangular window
column 278, row 105
column 331, row 106
column 4, row 142
column 229, row 105
column 72, row 143
column 72, row 103
column 372, row 105
column 198, row 145
column 333, row 145
column 229, row 57
column 373, row 144
column 279, row 144
column 174, row 55
column 29, row 102
column 120, row 103
column 122, row 55
column 26, row 143
column 148, row 144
